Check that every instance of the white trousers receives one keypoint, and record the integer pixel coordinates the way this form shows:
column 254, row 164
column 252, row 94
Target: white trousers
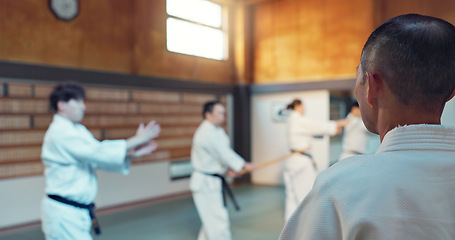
column 64, row 222
column 214, row 216
column 299, row 175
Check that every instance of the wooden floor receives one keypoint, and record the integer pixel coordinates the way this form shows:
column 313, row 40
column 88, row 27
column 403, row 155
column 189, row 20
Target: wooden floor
column 261, row 218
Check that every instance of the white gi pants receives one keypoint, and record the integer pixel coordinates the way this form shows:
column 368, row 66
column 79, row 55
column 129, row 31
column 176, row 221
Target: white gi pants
column 213, row 214
column 65, row 222
column 299, row 175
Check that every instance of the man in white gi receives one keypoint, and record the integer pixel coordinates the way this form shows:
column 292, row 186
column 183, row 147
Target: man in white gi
column 71, row 155
column 406, row 190
column 300, row 170
column 356, row 137
column 211, row 158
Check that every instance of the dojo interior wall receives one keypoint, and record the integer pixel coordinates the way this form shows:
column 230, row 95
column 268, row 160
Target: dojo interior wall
column 320, row 40
column 111, row 113
column 284, row 42
column 117, row 36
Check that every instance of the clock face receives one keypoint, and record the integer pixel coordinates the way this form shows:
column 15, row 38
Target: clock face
column 65, row 9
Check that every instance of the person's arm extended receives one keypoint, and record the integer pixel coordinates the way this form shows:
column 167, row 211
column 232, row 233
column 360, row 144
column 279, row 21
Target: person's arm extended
column 142, row 143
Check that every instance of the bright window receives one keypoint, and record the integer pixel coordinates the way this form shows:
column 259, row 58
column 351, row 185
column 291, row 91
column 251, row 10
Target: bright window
column 195, row 27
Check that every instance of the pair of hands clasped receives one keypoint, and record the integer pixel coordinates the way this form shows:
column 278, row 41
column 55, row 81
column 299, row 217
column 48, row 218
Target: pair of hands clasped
column 142, row 143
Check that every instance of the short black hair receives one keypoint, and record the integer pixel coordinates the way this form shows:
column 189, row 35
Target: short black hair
column 294, row 103
column 353, row 105
column 65, row 92
column 208, row 107
column 416, row 56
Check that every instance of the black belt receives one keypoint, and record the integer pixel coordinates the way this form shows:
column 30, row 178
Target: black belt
column 311, row 158
column 225, row 189
column 90, row 207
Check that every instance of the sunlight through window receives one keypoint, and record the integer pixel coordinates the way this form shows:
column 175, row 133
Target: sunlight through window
column 194, row 27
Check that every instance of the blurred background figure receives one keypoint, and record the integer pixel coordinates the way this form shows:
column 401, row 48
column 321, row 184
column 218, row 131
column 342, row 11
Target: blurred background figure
column 357, row 140
column 71, row 156
column 300, row 169
column 212, row 158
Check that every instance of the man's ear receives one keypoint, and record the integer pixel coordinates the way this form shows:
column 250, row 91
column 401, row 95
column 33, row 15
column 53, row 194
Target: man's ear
column 375, row 87
column 61, row 105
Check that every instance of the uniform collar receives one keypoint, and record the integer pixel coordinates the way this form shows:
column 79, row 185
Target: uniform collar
column 419, row 137
column 62, row 120
column 208, row 123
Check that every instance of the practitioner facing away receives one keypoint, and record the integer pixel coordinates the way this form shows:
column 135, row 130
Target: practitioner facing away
column 356, row 137
column 71, row 155
column 211, row 158
column 406, row 190
column 300, row 170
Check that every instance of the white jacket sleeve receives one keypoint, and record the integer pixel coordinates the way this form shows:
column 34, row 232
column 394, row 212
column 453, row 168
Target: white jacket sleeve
column 227, row 155
column 306, row 126
column 81, row 146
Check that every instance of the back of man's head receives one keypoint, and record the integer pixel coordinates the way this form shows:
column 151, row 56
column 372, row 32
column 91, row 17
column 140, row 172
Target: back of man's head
column 415, row 55
column 65, row 92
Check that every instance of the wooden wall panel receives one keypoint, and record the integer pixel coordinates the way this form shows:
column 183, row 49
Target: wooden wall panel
column 155, row 96
column 198, row 99
column 24, row 106
column 99, row 38
column 308, row 40
column 42, row 91
column 21, row 137
column 113, row 36
column 347, row 29
column 14, row 122
column 107, row 94
column 112, row 113
column 385, row 9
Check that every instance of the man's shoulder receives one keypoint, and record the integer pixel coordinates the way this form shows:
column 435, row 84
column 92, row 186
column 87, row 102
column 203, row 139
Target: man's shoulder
column 350, row 171
column 203, row 132
column 60, row 131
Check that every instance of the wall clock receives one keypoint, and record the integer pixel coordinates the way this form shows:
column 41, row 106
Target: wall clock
column 65, row 10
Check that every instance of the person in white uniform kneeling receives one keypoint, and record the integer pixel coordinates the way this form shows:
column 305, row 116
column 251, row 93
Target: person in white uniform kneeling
column 211, row 158
column 71, row 155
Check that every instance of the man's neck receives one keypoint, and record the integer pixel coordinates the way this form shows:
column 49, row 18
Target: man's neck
column 211, row 122
column 65, row 117
column 389, row 119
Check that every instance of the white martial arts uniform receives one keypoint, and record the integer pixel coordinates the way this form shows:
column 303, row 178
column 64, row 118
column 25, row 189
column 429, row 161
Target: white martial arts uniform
column 404, row 191
column 299, row 172
column 71, row 154
column 211, row 153
column 355, row 137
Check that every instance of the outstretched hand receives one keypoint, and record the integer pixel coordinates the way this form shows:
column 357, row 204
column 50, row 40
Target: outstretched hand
column 341, row 123
column 233, row 174
column 142, row 140
column 143, row 150
column 149, row 131
column 247, row 167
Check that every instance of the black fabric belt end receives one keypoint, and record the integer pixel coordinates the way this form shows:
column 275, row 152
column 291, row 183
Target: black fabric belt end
column 227, row 189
